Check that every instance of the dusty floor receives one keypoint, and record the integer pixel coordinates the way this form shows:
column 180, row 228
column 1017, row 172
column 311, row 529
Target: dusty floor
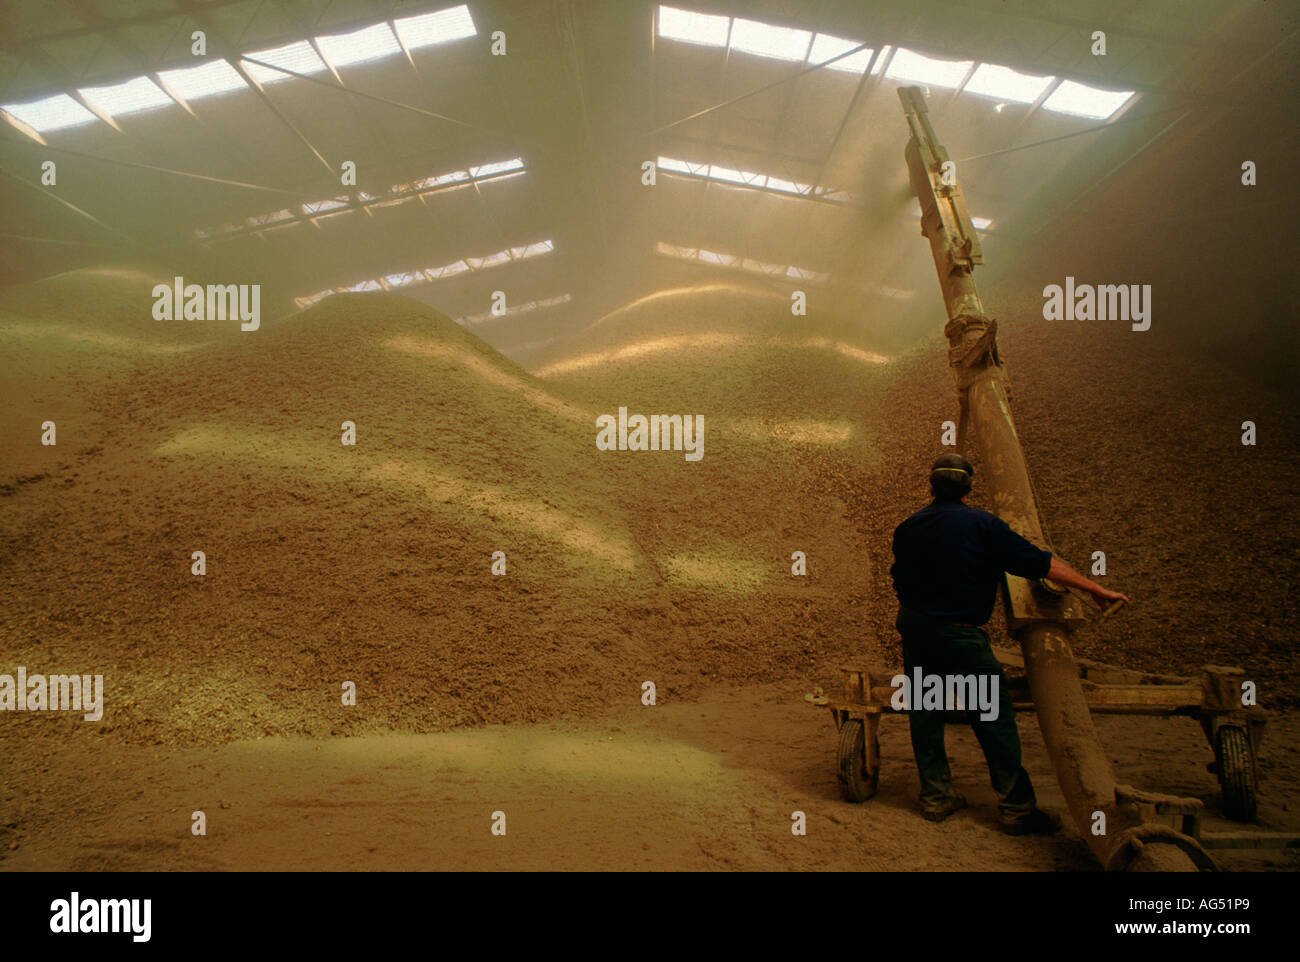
column 700, row 785
column 475, row 693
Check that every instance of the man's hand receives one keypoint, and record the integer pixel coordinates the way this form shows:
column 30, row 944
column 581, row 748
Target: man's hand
column 1063, row 574
column 1104, row 596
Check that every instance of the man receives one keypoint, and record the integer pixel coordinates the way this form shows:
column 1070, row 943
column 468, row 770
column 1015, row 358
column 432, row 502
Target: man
column 948, row 561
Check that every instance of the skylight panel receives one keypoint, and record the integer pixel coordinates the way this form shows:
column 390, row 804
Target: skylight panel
column 298, row 57
column 501, row 167
column 683, row 167
column 321, row 206
column 897, row 293
column 447, row 270
column 305, row 302
column 911, row 67
column 442, row 180
column 737, row 176
column 1007, row 85
column 761, row 267
column 490, row 260
column 514, row 309
column 442, row 26
column 541, row 247
column 205, row 80
column 274, row 218
column 532, row 250
column 732, row 176
column 456, row 177
column 508, row 312
column 765, row 40
column 672, row 250
column 824, row 47
column 788, row 186
column 359, row 46
column 130, row 97
column 713, row 257
column 690, row 27
column 1080, row 100
column 51, row 113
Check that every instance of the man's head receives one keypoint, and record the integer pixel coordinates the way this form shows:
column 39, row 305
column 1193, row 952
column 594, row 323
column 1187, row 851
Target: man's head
column 950, row 478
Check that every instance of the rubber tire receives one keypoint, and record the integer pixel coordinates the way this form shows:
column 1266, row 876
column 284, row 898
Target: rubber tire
column 1236, row 773
column 856, row 785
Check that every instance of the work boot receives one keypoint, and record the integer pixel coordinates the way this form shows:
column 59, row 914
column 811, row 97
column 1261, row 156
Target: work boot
column 940, row 812
column 1037, row 822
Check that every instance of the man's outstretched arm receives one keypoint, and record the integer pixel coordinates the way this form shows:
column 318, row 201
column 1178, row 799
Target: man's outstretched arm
column 1063, row 574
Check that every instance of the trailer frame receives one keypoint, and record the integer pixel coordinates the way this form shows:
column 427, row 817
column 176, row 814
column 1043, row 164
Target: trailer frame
column 1214, row 702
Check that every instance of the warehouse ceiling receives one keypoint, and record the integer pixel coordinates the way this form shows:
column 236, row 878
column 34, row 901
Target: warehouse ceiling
column 774, row 125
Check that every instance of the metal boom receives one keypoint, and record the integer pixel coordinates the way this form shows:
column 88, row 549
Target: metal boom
column 1039, row 616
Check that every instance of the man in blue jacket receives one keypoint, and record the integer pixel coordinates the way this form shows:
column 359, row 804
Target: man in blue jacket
column 949, row 559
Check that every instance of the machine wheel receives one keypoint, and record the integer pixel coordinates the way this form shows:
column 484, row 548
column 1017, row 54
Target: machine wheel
column 1236, row 773
column 856, row 782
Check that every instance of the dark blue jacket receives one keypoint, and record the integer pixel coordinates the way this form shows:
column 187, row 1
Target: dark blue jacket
column 949, row 559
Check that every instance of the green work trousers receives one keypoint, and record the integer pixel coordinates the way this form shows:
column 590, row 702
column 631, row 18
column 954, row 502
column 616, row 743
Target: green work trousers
column 945, row 648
